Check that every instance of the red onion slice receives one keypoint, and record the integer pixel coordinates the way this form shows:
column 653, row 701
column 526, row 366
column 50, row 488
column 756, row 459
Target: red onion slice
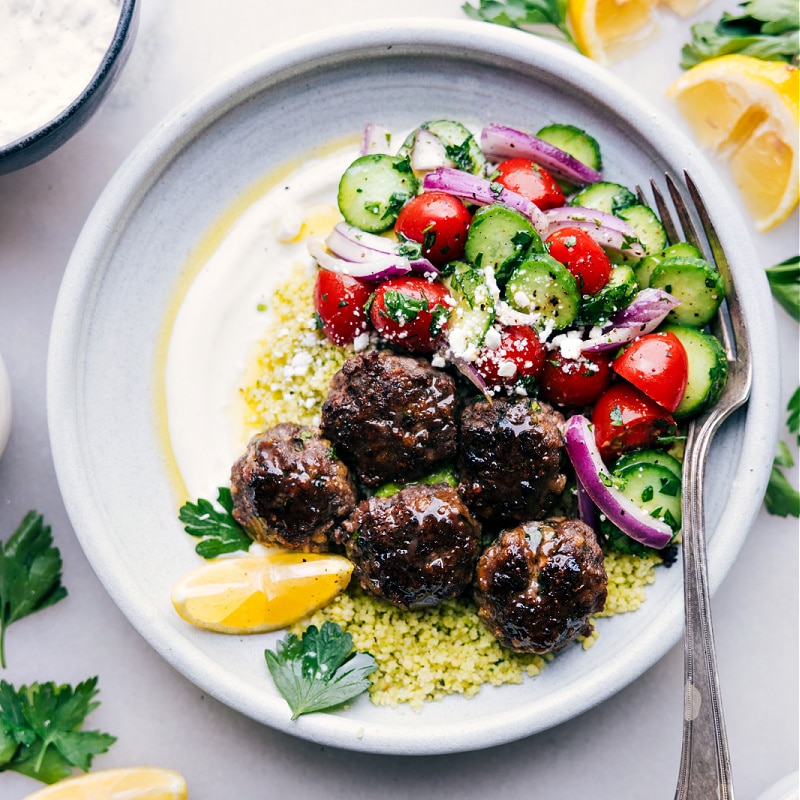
column 642, row 315
column 592, row 473
column 470, row 372
column 428, row 152
column 353, row 244
column 375, row 140
column 587, row 510
column 607, row 230
column 378, row 268
column 500, row 141
column 474, row 189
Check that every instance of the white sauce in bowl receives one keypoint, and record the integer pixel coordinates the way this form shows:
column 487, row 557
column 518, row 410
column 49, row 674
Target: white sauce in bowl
column 221, row 319
column 49, row 52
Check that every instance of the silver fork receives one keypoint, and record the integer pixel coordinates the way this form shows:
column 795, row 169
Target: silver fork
column 705, row 770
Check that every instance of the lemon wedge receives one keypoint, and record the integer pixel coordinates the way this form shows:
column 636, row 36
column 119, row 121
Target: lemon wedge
column 254, row 594
column 746, row 111
column 607, row 30
column 127, row 783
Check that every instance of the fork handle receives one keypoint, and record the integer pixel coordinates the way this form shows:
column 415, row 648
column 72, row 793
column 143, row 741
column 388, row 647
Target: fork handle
column 705, row 771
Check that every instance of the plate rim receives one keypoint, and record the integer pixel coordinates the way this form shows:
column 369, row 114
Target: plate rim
column 137, row 175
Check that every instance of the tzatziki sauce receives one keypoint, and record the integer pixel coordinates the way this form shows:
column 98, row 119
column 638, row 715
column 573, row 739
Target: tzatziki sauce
column 49, row 52
column 220, row 320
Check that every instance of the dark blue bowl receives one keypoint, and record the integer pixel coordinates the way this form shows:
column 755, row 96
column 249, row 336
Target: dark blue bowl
column 44, row 140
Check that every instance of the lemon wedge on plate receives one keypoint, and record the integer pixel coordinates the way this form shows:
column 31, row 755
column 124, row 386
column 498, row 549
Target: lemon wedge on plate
column 254, row 594
column 607, row 30
column 746, row 111
column 126, row 783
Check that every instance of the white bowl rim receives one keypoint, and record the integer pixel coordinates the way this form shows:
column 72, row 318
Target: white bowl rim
column 146, row 163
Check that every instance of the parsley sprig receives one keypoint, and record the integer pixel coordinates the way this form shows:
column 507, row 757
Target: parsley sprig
column 784, row 281
column 319, row 671
column 30, row 574
column 765, row 29
column 781, row 498
column 217, row 529
column 40, row 732
column 532, row 16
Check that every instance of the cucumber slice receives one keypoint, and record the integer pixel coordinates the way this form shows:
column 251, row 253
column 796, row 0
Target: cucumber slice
column 373, row 189
column 541, row 285
column 616, row 294
column 605, row 196
column 574, row 141
column 647, row 227
column 502, row 238
column 459, row 144
column 644, row 269
column 654, row 488
column 708, row 369
column 695, row 283
column 642, row 457
column 474, row 310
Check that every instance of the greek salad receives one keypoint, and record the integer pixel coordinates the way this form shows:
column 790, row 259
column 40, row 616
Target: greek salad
column 510, row 256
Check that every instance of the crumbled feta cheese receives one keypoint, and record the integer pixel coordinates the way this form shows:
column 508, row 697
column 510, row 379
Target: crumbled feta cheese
column 438, row 362
column 569, row 344
column 522, row 299
column 492, row 339
column 507, row 369
column 361, row 342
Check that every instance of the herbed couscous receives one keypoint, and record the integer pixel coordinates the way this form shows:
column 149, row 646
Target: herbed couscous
column 420, row 655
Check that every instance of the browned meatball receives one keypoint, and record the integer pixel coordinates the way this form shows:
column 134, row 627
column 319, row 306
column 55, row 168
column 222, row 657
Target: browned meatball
column 414, row 548
column 391, row 417
column 538, row 583
column 511, row 459
column 289, row 488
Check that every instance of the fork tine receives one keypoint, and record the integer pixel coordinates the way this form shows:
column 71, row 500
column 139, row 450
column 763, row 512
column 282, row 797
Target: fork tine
column 673, row 235
column 684, row 215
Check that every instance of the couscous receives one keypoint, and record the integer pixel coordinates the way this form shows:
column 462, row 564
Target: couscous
column 421, row 655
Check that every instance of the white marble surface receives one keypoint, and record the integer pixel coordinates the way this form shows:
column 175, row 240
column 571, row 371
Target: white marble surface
column 624, row 749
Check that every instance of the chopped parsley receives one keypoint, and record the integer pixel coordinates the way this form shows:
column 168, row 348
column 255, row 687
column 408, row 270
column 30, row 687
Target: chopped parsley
column 402, row 308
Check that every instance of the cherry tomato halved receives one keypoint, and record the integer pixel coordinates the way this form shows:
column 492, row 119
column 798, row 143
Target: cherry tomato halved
column 339, row 301
column 519, row 355
column 437, row 221
column 582, row 256
column 411, row 312
column 626, row 419
column 574, row 382
column 527, row 178
column 657, row 364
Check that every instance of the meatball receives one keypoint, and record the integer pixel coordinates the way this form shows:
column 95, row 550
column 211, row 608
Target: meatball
column 391, row 417
column 538, row 583
column 511, row 459
column 414, row 548
column 289, row 488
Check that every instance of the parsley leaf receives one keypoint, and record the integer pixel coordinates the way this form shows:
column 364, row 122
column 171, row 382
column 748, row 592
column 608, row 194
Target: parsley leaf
column 525, row 15
column 793, row 420
column 319, row 671
column 218, row 530
column 30, row 574
column 784, row 281
column 781, row 498
column 766, row 29
column 40, row 732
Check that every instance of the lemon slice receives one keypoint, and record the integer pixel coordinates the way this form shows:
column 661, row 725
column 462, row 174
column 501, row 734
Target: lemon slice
column 127, row 783
column 685, row 8
column 253, row 594
column 746, row 110
column 607, row 30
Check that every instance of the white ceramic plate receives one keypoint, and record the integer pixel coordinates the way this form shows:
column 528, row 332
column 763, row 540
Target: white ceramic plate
column 104, row 393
